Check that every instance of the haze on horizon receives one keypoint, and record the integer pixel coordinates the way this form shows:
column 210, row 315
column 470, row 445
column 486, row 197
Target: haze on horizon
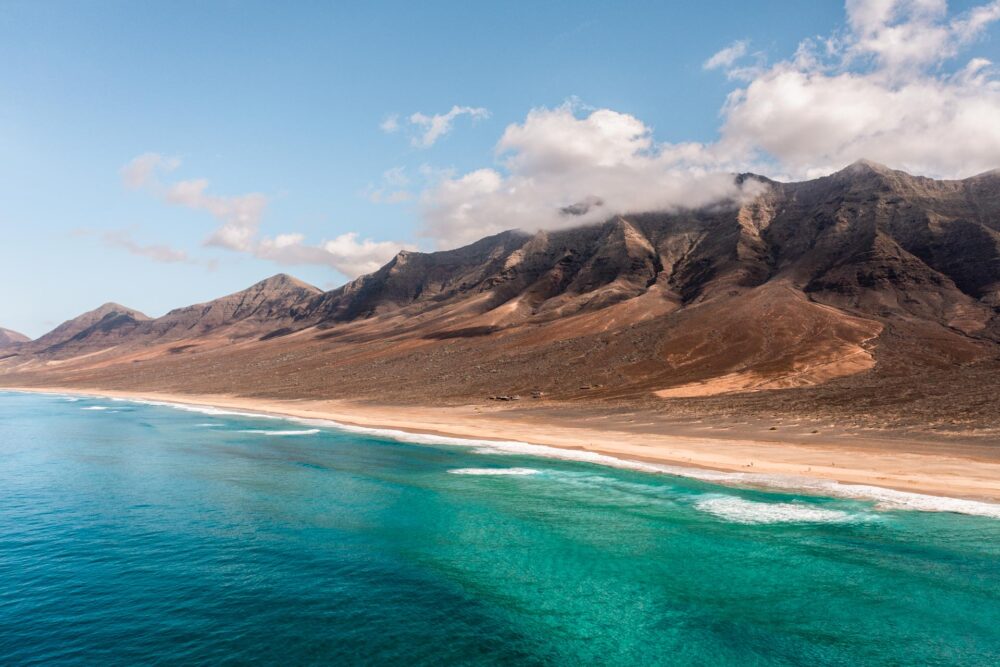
column 320, row 142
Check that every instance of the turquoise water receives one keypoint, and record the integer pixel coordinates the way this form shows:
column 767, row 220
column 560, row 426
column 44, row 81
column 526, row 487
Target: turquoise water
column 138, row 533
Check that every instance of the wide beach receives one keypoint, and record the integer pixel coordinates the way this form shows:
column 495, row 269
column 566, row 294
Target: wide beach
column 784, row 464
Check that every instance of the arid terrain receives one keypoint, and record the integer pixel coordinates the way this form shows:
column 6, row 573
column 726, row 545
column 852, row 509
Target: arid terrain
column 10, row 338
column 865, row 304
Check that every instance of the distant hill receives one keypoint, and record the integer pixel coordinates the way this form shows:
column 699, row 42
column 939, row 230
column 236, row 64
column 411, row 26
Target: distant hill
column 10, row 338
column 260, row 308
column 108, row 321
column 253, row 312
column 863, row 282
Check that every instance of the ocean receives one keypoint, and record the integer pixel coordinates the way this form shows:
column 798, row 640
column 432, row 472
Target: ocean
column 137, row 533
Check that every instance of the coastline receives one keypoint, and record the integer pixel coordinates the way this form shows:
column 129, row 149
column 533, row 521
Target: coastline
column 823, row 470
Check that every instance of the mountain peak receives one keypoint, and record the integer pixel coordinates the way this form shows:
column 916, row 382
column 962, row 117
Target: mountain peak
column 9, row 338
column 268, row 303
column 112, row 307
column 107, row 316
column 625, row 304
column 283, row 281
column 867, row 174
column 986, row 175
column 865, row 167
column 865, row 163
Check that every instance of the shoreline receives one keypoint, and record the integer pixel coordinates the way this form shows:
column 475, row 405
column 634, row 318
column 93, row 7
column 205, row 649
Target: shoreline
column 884, row 474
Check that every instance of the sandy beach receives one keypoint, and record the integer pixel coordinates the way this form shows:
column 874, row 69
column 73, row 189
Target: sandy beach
column 938, row 474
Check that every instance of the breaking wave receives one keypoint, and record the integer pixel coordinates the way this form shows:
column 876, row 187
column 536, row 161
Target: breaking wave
column 888, row 499
column 738, row 510
column 493, row 471
column 200, row 409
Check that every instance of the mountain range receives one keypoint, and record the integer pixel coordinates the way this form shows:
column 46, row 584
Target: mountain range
column 864, row 287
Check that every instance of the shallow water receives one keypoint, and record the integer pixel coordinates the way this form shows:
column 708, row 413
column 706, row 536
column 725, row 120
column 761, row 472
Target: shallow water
column 143, row 533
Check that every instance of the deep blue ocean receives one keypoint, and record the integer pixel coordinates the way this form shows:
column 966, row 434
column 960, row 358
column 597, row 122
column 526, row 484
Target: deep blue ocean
column 146, row 534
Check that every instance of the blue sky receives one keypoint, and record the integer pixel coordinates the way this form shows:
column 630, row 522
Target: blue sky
column 287, row 102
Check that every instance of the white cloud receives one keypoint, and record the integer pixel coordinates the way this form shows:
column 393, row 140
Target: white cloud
column 345, row 253
column 878, row 89
column 143, row 168
column 908, row 33
column 727, row 56
column 396, row 177
column 812, row 122
column 239, row 218
column 390, row 123
column 886, row 86
column 352, row 257
column 392, row 189
column 879, row 92
column 157, row 252
column 240, row 215
column 561, row 171
column 972, row 25
column 438, row 125
column 900, row 33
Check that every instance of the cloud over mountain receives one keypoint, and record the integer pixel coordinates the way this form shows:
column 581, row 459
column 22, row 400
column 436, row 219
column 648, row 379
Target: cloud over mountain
column 885, row 87
column 889, row 85
column 554, row 161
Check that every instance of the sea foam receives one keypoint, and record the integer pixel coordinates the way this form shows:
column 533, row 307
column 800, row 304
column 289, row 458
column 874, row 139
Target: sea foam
column 889, row 499
column 738, row 510
column 493, row 471
column 200, row 409
column 262, row 431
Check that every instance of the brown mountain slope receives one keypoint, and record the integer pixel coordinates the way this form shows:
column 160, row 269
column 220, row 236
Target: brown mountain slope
column 867, row 239
column 112, row 329
column 256, row 311
column 9, row 339
column 110, row 322
column 865, row 281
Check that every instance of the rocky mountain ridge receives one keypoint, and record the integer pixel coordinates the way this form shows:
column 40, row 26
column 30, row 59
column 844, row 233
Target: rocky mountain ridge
column 866, row 273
